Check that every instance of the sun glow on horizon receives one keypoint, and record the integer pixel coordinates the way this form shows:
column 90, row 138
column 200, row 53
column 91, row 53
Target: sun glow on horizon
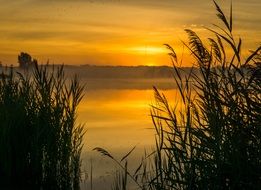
column 147, row 50
column 111, row 32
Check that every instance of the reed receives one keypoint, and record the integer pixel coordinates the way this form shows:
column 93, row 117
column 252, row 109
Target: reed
column 214, row 141
column 40, row 144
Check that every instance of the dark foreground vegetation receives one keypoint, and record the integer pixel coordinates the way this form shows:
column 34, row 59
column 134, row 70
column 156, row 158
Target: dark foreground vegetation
column 40, row 146
column 214, row 140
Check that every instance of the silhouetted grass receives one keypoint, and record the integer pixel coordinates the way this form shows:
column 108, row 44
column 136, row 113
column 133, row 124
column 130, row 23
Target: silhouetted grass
column 214, row 140
column 40, row 144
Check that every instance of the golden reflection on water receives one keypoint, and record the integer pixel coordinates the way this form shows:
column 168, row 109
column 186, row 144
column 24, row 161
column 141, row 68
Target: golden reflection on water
column 118, row 117
column 117, row 120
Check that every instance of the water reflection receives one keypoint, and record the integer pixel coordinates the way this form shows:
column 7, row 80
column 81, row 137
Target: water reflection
column 117, row 120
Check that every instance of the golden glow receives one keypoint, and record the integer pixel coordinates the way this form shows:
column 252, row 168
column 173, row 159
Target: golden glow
column 120, row 117
column 104, row 106
column 151, row 64
column 147, row 50
column 111, row 32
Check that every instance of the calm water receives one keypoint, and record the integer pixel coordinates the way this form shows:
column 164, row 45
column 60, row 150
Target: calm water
column 116, row 119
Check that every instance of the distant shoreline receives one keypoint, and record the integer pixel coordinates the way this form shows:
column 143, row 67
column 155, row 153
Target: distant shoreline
column 116, row 72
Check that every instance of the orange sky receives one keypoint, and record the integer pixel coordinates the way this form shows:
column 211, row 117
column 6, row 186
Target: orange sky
column 112, row 32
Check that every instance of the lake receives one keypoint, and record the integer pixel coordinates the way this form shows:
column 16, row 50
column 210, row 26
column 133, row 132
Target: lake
column 116, row 114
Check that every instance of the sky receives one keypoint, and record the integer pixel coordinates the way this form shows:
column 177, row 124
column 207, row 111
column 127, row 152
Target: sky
column 114, row 32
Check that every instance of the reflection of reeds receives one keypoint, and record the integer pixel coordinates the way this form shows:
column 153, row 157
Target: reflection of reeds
column 213, row 142
column 40, row 145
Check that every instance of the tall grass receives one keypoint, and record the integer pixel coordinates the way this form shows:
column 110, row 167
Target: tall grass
column 213, row 141
column 40, row 144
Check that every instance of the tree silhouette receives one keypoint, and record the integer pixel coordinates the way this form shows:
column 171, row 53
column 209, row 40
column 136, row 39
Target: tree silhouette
column 25, row 60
